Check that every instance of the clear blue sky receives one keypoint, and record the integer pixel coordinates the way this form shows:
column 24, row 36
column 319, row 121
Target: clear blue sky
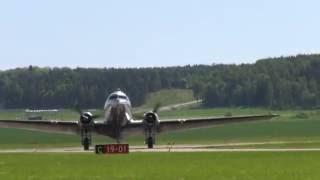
column 139, row 33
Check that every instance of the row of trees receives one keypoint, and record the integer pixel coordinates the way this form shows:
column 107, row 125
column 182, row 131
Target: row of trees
column 35, row 87
column 284, row 82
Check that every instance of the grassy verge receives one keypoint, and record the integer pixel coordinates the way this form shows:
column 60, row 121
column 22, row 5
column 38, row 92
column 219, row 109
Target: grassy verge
column 274, row 145
column 167, row 97
column 232, row 165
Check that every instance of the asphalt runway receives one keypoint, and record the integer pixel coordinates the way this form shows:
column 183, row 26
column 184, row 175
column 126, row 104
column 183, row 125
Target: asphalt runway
column 168, row 148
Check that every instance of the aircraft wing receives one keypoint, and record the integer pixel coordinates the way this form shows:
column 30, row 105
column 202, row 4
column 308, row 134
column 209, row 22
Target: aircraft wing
column 56, row 126
column 134, row 128
column 65, row 127
column 194, row 123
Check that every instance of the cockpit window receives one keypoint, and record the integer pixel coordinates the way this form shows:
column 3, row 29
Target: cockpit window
column 122, row 97
column 116, row 96
column 113, row 96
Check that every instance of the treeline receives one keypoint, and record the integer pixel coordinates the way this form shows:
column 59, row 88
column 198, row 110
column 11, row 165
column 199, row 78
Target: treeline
column 35, row 87
column 286, row 82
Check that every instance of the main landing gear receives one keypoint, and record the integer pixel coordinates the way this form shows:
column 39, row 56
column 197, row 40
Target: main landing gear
column 86, row 139
column 150, row 142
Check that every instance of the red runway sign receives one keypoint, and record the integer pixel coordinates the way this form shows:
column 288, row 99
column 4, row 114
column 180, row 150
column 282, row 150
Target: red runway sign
column 112, row 149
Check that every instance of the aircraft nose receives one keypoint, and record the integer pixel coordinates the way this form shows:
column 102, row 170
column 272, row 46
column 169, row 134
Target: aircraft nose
column 117, row 102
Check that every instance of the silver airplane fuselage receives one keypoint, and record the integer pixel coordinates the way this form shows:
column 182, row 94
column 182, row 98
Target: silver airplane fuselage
column 118, row 111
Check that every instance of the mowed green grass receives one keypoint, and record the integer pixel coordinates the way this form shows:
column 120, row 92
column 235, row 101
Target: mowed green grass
column 16, row 138
column 62, row 114
column 167, row 97
column 218, row 165
column 285, row 128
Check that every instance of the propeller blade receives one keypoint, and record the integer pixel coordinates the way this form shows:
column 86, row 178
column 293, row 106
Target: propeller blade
column 141, row 115
column 96, row 116
column 76, row 108
column 156, row 107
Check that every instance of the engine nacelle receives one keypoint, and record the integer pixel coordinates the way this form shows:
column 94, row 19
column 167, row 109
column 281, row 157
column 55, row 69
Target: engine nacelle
column 86, row 119
column 150, row 126
column 150, row 120
column 86, row 124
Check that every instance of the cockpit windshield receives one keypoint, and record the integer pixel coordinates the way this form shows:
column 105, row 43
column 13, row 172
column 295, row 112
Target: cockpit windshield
column 123, row 97
column 115, row 96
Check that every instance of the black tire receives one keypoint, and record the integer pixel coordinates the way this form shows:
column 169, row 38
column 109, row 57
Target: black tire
column 86, row 147
column 150, row 143
column 86, row 144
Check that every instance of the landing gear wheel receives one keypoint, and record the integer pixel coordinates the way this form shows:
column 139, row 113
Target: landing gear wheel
column 150, row 142
column 86, row 144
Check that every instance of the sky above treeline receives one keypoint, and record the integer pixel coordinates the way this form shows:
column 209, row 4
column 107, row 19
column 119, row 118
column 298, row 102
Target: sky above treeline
column 142, row 33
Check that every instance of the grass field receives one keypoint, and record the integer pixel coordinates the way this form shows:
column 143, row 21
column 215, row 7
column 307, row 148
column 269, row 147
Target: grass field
column 232, row 165
column 62, row 114
column 168, row 97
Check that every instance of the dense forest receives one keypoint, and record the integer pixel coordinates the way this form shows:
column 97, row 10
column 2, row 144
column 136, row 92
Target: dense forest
column 285, row 82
